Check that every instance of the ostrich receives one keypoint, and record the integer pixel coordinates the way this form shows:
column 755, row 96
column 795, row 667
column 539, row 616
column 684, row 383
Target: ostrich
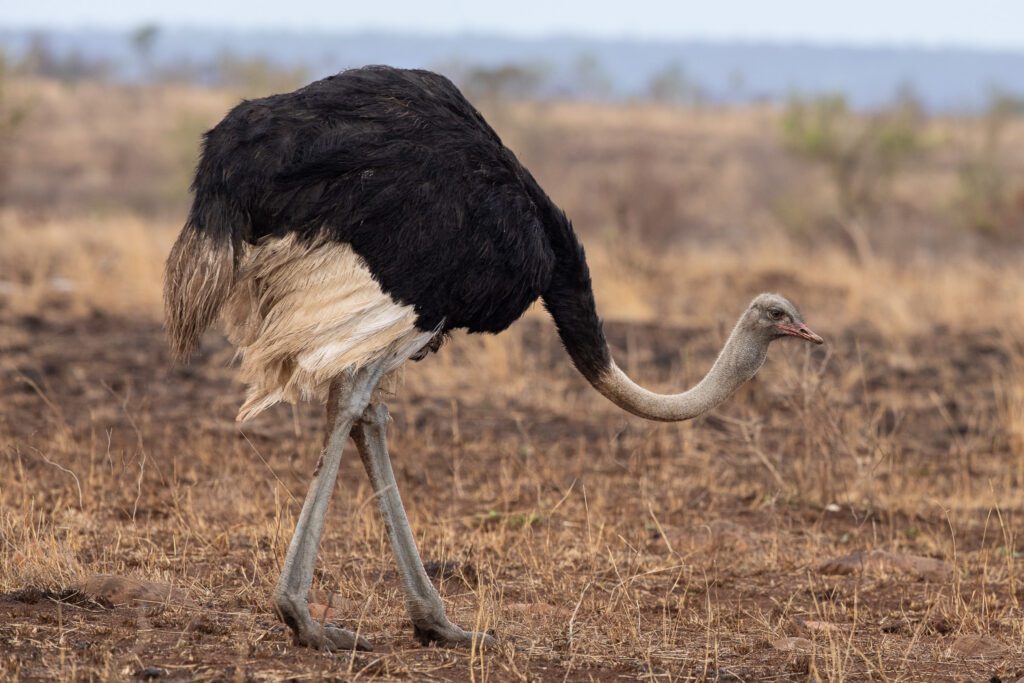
column 347, row 227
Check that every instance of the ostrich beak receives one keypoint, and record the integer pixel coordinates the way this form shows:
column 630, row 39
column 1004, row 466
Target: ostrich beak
column 800, row 330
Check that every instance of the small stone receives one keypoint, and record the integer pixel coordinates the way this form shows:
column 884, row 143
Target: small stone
column 322, row 613
column 800, row 646
column 325, row 606
column 808, row 627
column 885, row 562
column 127, row 590
column 978, row 646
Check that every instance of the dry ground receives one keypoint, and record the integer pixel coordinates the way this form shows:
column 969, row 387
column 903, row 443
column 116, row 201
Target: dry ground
column 596, row 545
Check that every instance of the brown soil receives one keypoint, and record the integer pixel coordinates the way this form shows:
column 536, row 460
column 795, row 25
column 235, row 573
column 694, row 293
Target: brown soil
column 597, row 546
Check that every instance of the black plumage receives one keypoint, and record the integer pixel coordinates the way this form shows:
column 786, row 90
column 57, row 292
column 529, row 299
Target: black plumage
column 398, row 164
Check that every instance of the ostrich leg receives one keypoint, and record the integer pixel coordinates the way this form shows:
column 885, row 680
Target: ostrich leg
column 421, row 598
column 347, row 399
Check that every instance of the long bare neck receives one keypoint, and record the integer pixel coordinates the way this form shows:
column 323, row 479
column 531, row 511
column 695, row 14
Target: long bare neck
column 739, row 360
column 570, row 300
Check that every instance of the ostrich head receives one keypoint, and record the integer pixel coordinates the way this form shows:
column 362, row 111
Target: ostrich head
column 772, row 316
column 767, row 318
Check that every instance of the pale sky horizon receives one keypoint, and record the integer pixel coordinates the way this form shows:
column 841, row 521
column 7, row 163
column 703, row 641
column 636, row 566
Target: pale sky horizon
column 984, row 24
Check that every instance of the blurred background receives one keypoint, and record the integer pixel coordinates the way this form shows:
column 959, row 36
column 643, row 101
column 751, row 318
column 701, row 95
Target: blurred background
column 864, row 159
column 895, row 124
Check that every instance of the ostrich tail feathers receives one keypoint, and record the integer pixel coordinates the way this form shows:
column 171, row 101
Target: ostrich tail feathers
column 199, row 276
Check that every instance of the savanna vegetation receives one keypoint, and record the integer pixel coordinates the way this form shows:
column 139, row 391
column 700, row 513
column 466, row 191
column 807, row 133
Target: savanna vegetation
column 854, row 513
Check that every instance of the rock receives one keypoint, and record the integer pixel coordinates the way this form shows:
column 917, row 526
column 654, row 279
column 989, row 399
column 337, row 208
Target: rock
column 322, row 613
column 127, row 590
column 799, row 626
column 325, row 606
column 816, row 626
column 885, row 562
column 800, row 646
column 978, row 646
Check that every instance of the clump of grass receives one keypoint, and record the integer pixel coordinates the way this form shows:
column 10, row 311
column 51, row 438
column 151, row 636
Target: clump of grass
column 37, row 548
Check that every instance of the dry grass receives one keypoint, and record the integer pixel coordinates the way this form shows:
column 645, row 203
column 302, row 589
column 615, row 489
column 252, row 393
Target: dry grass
column 598, row 546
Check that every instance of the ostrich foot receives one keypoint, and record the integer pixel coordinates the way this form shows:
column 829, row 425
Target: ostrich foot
column 310, row 633
column 447, row 634
column 330, row 638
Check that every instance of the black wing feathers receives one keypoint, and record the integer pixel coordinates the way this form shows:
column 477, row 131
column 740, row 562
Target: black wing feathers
column 398, row 164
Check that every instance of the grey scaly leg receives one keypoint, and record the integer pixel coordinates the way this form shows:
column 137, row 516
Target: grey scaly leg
column 346, row 402
column 421, row 598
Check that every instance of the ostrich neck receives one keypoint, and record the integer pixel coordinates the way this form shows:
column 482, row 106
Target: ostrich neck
column 739, row 361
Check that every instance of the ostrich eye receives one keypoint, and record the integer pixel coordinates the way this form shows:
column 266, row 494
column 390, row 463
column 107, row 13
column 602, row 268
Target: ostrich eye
column 775, row 314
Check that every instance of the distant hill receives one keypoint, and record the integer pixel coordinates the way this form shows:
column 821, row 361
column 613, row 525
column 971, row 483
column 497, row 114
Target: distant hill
column 948, row 80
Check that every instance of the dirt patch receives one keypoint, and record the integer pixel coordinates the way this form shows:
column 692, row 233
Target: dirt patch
column 590, row 543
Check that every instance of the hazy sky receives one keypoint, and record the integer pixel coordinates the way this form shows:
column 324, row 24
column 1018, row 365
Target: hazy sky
column 977, row 23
